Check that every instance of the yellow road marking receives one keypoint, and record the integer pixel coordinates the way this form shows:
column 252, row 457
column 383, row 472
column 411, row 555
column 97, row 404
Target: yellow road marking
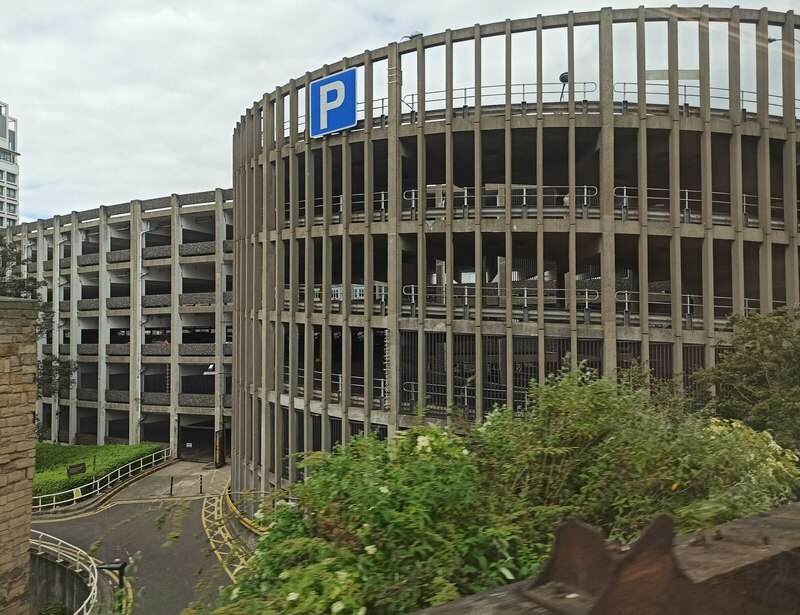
column 225, row 547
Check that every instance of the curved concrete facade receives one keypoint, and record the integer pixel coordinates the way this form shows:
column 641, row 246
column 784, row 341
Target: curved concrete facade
column 488, row 217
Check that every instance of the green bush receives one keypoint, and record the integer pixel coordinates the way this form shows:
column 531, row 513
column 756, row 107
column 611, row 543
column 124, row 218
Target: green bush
column 53, row 608
column 52, row 461
column 385, row 528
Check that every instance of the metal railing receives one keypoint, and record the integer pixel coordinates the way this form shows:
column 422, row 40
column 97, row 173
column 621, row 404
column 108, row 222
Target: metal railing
column 70, row 496
column 357, row 386
column 358, row 203
column 657, row 200
column 689, row 96
column 496, row 94
column 522, row 201
column 380, row 108
column 71, row 557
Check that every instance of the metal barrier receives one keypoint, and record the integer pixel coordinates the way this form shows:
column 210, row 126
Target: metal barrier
column 70, row 496
column 72, row 557
column 496, row 94
column 657, row 202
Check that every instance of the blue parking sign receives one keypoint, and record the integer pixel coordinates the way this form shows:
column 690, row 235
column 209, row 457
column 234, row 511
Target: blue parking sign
column 332, row 102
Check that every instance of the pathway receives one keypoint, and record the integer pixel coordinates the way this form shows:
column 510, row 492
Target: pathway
column 136, row 524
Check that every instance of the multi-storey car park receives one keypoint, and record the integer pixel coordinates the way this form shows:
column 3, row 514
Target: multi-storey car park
column 9, row 168
column 602, row 186
column 141, row 294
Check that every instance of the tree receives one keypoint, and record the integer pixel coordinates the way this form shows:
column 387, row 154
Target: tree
column 52, row 373
column 758, row 380
column 438, row 512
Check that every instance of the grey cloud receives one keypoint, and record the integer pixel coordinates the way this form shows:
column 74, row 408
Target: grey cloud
column 138, row 98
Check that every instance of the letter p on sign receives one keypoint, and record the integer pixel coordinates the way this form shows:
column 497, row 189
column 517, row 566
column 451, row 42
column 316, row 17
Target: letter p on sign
column 332, row 102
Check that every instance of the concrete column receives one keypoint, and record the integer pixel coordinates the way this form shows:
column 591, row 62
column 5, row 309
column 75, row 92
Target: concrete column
column 478, row 232
column 676, row 281
column 57, row 329
column 641, row 171
column 308, row 305
column 394, row 262
column 175, row 289
column 790, row 196
column 41, row 256
column 540, row 234
column 606, row 195
column 219, row 289
column 266, row 225
column 706, row 192
column 448, row 249
column 103, row 335
column 507, row 364
column 74, row 325
column 735, row 112
column 764, row 192
column 325, row 291
column 137, row 272
column 347, row 292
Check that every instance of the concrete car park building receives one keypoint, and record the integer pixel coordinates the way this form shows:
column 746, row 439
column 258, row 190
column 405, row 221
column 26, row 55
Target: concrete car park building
column 141, row 294
column 603, row 186
column 9, row 168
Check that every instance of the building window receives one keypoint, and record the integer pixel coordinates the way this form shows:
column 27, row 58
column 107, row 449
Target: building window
column 11, row 192
column 2, row 206
column 1, row 176
column 11, row 178
column 12, row 209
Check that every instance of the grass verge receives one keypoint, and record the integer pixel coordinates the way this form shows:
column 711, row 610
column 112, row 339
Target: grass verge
column 52, row 461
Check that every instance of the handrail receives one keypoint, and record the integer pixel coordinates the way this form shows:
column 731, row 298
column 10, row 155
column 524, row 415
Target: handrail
column 495, row 194
column 518, row 92
column 79, row 560
column 70, row 496
column 687, row 92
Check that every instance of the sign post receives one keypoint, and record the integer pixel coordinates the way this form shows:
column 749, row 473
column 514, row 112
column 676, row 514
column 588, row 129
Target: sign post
column 332, row 102
column 74, row 470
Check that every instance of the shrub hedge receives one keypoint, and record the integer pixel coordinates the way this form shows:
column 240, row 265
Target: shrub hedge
column 52, row 461
column 384, row 528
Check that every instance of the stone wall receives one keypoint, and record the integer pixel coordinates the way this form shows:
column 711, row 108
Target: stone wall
column 17, row 450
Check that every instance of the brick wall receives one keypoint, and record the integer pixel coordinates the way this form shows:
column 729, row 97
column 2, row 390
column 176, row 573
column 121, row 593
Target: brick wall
column 17, row 450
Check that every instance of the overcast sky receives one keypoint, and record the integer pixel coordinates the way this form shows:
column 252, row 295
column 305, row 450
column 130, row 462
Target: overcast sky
column 126, row 99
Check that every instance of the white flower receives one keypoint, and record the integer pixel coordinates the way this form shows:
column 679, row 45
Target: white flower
column 384, row 489
column 271, row 525
column 258, row 516
column 464, row 451
column 371, row 549
column 423, row 443
column 284, row 575
column 362, row 611
column 292, row 597
column 336, row 607
column 235, row 593
column 341, row 575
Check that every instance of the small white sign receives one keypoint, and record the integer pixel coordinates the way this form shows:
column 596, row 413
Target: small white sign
column 188, row 445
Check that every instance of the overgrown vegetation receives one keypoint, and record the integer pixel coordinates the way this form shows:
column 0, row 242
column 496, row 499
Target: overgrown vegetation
column 757, row 381
column 437, row 513
column 52, row 461
column 53, row 374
